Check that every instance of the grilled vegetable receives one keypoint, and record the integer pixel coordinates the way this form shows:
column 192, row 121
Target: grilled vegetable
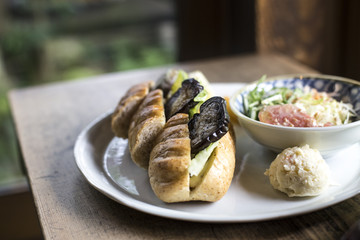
column 183, row 99
column 209, row 125
column 170, row 79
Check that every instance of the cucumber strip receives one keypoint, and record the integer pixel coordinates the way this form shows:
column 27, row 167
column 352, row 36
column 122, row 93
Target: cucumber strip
column 274, row 98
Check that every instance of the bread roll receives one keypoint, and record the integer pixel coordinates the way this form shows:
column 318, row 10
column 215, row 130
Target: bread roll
column 127, row 106
column 145, row 125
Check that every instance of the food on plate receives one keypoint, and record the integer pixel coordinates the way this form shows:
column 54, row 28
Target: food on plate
column 139, row 116
column 127, row 107
column 209, row 125
column 296, row 108
column 299, row 172
column 146, row 123
column 181, row 134
column 286, row 115
column 183, row 99
column 194, row 160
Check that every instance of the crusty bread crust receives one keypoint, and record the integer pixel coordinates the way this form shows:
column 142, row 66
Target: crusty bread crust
column 145, row 125
column 171, row 158
column 217, row 180
column 126, row 108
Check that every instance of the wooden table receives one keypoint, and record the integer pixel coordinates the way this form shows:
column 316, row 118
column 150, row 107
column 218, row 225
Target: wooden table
column 49, row 118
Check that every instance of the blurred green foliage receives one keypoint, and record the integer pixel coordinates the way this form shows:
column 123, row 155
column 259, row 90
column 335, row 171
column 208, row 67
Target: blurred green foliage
column 9, row 167
column 38, row 44
column 20, row 38
column 129, row 54
column 21, row 45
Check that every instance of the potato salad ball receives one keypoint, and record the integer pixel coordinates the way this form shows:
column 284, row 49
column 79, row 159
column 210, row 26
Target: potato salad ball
column 299, row 172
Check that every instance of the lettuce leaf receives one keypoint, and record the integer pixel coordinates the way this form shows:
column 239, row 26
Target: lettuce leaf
column 200, row 98
column 181, row 76
column 198, row 162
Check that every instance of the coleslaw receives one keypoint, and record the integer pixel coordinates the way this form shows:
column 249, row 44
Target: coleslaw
column 296, row 107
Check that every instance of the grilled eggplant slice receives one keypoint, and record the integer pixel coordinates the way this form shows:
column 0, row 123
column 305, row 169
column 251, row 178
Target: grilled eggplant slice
column 183, row 99
column 209, row 125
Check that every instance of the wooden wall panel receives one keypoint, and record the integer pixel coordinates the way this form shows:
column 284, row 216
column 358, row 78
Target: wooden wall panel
column 320, row 33
column 351, row 65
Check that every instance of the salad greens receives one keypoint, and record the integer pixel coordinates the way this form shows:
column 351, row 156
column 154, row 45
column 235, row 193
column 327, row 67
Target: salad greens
column 325, row 110
column 258, row 98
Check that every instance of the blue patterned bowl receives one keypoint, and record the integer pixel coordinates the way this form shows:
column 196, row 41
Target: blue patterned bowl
column 326, row 139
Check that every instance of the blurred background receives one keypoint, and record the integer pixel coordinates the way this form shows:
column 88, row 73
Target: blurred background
column 45, row 41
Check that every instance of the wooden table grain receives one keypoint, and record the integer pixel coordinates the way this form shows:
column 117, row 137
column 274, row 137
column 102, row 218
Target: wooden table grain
column 48, row 119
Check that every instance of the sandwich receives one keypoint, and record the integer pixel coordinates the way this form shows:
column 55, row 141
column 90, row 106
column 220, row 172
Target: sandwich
column 181, row 133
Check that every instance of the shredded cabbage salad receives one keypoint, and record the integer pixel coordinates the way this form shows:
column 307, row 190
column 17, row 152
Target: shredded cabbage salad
column 319, row 106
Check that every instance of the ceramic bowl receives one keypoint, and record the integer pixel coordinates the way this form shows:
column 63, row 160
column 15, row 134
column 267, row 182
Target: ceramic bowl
column 327, row 140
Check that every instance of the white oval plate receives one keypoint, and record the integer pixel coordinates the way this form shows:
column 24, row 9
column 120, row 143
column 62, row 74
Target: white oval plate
column 105, row 162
